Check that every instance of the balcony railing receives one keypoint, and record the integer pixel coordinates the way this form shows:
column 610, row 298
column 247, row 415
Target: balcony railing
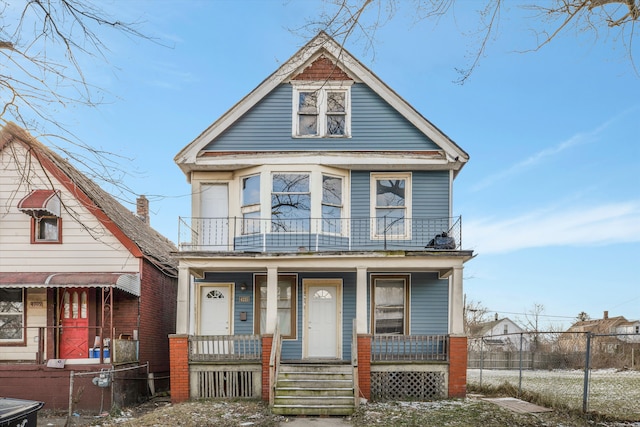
column 234, row 234
column 409, row 348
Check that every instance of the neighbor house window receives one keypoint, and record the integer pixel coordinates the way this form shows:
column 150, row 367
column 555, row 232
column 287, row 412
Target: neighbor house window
column 11, row 315
column 287, row 285
column 506, row 329
column 46, row 229
column 290, row 202
column 322, row 111
column 390, row 297
column 331, row 204
column 391, row 205
column 251, row 204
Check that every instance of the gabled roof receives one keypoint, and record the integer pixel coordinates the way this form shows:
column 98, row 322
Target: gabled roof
column 482, row 329
column 603, row 326
column 138, row 237
column 322, row 44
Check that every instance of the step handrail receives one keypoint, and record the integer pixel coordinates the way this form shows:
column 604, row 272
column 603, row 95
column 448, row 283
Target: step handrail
column 274, row 364
column 354, row 363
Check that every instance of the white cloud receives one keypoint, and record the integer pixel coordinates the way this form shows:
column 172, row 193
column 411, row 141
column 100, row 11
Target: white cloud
column 587, row 226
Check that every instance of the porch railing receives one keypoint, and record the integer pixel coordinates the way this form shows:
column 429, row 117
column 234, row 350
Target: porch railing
column 409, row 348
column 319, row 234
column 210, row 348
column 274, row 364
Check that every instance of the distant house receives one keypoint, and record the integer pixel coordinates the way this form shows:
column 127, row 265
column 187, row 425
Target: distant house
column 85, row 284
column 322, row 239
column 611, row 331
column 499, row 334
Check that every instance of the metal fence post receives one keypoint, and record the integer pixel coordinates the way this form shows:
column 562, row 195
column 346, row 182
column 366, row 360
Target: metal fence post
column 585, row 392
column 481, row 359
column 520, row 378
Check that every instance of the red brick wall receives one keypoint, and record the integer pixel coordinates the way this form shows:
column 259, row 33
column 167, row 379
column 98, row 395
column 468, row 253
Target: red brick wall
column 179, row 352
column 267, row 341
column 159, row 294
column 364, row 365
column 457, row 366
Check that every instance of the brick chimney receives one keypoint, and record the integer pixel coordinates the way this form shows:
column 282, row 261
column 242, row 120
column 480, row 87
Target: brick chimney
column 142, row 209
column 606, row 315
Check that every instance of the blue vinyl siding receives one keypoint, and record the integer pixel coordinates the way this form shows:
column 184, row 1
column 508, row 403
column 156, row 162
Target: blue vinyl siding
column 375, row 125
column 429, row 304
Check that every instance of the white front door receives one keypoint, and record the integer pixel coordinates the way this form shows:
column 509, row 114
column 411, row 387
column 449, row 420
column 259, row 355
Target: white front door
column 215, row 317
column 323, row 320
column 214, row 217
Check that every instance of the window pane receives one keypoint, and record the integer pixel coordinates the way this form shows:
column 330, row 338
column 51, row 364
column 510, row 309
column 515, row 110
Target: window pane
column 11, row 314
column 308, row 125
column 390, row 221
column 331, row 190
column 389, row 311
column 390, row 192
column 251, row 190
column 336, row 102
column 335, row 125
column 290, row 183
column 251, row 222
column 307, row 102
column 47, row 228
column 285, row 292
column 331, row 219
column 290, row 202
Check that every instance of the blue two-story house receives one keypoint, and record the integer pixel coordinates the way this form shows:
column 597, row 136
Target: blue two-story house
column 322, row 251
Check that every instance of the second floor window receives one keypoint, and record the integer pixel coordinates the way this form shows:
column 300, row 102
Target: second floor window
column 322, row 112
column 46, row 229
column 251, row 204
column 391, row 205
column 331, row 204
column 290, row 202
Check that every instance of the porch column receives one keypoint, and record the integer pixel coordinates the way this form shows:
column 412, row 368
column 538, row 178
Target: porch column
column 272, row 300
column 456, row 303
column 182, row 308
column 361, row 300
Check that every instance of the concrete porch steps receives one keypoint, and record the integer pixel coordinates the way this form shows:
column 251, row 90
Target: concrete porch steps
column 314, row 389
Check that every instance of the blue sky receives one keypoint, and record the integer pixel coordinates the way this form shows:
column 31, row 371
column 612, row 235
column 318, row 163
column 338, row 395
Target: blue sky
column 550, row 199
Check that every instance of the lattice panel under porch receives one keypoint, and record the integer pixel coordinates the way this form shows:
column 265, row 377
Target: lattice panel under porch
column 407, row 385
column 224, row 384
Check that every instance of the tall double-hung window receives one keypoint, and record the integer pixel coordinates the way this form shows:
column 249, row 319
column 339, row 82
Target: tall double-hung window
column 390, row 298
column 251, row 204
column 332, row 204
column 290, row 202
column 322, row 111
column 391, row 205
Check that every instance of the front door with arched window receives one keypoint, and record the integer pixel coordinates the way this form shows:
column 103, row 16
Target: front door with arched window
column 74, row 324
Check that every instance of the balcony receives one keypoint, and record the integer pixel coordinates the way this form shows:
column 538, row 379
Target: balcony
column 235, row 234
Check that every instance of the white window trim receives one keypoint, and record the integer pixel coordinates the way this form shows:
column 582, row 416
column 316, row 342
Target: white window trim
column 374, row 177
column 322, row 89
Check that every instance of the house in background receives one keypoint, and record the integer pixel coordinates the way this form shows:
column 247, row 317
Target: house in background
column 614, row 333
column 498, row 335
column 85, row 284
column 322, row 246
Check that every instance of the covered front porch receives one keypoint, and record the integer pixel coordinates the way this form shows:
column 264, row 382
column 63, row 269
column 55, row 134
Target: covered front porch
column 243, row 360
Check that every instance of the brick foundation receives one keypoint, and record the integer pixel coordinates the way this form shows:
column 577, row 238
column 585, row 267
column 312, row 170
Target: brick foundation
column 364, row 365
column 267, row 342
column 457, row 366
column 179, row 365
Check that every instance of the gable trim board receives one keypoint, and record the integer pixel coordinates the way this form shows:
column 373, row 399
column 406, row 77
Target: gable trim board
column 316, row 47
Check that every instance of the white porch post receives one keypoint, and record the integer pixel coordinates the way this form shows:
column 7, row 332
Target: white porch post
column 182, row 309
column 272, row 300
column 361, row 300
column 456, row 302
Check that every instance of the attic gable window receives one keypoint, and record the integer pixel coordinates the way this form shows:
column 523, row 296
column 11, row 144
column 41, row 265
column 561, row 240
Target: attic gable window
column 43, row 206
column 322, row 111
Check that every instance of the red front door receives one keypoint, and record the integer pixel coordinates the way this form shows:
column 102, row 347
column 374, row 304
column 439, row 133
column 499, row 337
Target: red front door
column 74, row 319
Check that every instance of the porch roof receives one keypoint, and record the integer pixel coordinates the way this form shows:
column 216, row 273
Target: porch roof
column 128, row 282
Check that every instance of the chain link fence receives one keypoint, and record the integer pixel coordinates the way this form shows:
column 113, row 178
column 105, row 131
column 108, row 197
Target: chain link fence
column 597, row 373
